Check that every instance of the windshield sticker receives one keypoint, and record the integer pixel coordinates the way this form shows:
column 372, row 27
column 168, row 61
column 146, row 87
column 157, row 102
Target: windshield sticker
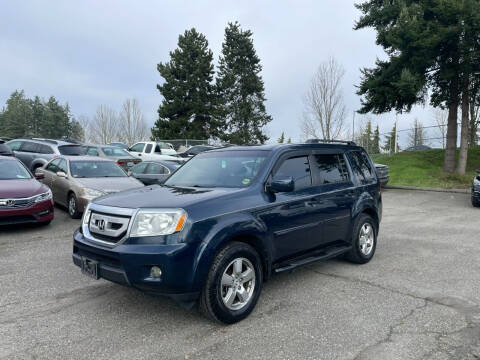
column 246, row 181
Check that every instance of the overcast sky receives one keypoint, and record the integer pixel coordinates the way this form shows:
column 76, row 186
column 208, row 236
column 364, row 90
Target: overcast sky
column 89, row 53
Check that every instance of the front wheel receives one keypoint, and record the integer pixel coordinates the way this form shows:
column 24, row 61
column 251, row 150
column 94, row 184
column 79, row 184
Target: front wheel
column 73, row 207
column 364, row 240
column 475, row 202
column 233, row 285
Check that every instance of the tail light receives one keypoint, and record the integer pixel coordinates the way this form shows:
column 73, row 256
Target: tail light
column 121, row 162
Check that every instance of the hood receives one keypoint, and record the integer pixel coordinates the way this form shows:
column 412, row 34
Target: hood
column 168, row 152
column 160, row 196
column 21, row 188
column 110, row 184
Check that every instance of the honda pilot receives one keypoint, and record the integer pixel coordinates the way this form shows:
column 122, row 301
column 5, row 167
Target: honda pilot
column 229, row 219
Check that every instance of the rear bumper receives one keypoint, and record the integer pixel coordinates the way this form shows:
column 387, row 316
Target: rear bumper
column 38, row 213
column 130, row 265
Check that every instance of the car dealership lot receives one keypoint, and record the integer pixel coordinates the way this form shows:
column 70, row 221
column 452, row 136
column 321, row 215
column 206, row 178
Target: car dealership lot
column 418, row 298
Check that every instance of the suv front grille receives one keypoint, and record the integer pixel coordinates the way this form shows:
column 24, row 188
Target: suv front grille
column 109, row 228
column 17, row 203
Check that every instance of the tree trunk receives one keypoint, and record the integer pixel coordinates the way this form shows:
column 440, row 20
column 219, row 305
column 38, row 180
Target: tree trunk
column 451, row 146
column 462, row 159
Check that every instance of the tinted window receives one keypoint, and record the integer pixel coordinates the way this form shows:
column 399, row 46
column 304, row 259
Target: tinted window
column 156, row 169
column 15, row 145
column 13, row 170
column 148, row 148
column 299, row 169
column 95, row 169
column 92, row 151
column 360, row 165
column 219, row 168
column 45, row 149
column 53, row 166
column 71, row 150
column 138, row 147
column 331, row 168
column 28, row 146
column 139, row 169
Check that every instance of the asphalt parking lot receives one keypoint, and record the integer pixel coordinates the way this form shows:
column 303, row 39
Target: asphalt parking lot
column 419, row 298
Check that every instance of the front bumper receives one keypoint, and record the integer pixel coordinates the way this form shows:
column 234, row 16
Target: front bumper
column 38, row 213
column 130, row 264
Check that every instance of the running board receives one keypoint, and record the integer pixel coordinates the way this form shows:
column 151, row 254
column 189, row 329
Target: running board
column 323, row 254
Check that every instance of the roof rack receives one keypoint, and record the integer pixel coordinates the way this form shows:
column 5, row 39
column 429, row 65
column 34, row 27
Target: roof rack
column 332, row 141
column 46, row 140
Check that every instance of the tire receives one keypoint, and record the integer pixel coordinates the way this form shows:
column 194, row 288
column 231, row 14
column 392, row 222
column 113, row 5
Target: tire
column 224, row 282
column 72, row 207
column 475, row 202
column 363, row 249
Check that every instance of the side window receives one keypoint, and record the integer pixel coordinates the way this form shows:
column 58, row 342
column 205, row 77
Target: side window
column 62, row 166
column 45, row 149
column 140, row 168
column 366, row 167
column 148, row 148
column 360, row 166
column 53, row 166
column 92, row 151
column 156, row 169
column 331, row 168
column 137, row 147
column 158, row 149
column 299, row 169
column 15, row 145
column 28, row 146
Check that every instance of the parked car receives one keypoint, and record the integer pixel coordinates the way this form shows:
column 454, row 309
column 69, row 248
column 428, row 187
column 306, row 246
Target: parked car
column 4, row 139
column 123, row 158
column 228, row 219
column 418, row 148
column 35, row 153
column 153, row 150
column 195, row 150
column 23, row 199
column 476, row 190
column 119, row 145
column 76, row 180
column 154, row 172
column 5, row 150
column 382, row 173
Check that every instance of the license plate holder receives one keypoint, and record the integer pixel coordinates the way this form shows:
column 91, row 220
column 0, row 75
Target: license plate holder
column 90, row 268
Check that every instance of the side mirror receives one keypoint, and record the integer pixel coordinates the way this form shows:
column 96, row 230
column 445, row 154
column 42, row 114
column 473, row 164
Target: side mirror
column 39, row 176
column 283, row 184
column 61, row 174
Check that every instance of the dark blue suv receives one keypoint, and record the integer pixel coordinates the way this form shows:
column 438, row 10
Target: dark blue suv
column 229, row 218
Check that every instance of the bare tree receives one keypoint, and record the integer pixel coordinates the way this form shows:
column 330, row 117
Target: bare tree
column 416, row 136
column 103, row 128
column 441, row 119
column 325, row 110
column 84, row 122
column 133, row 127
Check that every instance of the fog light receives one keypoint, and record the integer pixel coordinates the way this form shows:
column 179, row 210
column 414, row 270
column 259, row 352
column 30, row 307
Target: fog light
column 155, row 272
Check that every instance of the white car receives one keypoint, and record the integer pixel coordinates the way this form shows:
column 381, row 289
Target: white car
column 154, row 150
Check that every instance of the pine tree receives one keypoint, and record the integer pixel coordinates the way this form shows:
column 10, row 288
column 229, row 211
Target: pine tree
column 241, row 88
column 289, row 141
column 375, row 142
column 281, row 139
column 188, row 106
column 17, row 116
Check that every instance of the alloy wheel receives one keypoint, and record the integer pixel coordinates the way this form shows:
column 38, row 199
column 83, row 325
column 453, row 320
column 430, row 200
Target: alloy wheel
column 238, row 283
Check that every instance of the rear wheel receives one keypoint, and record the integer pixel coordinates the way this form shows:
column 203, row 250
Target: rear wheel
column 475, row 202
column 233, row 285
column 73, row 207
column 364, row 240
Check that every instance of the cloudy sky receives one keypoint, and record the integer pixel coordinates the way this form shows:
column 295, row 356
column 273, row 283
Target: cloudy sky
column 89, row 53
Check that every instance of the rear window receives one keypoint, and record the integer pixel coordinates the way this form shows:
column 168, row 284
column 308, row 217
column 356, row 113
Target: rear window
column 113, row 151
column 361, row 165
column 45, row 149
column 71, row 150
column 331, row 168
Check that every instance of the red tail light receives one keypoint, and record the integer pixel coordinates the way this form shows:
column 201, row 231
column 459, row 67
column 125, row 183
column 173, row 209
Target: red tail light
column 120, row 162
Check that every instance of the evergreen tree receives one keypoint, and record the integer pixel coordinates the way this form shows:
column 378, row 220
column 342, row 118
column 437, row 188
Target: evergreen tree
column 376, row 141
column 38, row 121
column 188, row 106
column 17, row 116
column 241, row 88
column 281, row 139
column 390, row 141
column 289, row 141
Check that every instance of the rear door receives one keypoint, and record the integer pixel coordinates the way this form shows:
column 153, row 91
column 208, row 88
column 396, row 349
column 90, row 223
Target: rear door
column 27, row 153
column 335, row 195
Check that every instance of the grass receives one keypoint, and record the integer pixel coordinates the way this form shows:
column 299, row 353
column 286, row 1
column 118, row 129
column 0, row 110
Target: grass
column 425, row 169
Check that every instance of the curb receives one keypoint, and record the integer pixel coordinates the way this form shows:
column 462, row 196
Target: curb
column 400, row 187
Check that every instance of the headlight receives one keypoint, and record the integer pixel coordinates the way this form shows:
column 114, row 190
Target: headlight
column 93, row 193
column 43, row 197
column 150, row 222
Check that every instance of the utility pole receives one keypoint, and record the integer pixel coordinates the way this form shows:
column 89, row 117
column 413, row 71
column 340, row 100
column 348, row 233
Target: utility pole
column 396, row 133
column 353, row 126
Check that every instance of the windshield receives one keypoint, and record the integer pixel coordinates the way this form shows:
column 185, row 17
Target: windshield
column 13, row 170
column 219, row 168
column 113, row 151
column 72, row 150
column 95, row 169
